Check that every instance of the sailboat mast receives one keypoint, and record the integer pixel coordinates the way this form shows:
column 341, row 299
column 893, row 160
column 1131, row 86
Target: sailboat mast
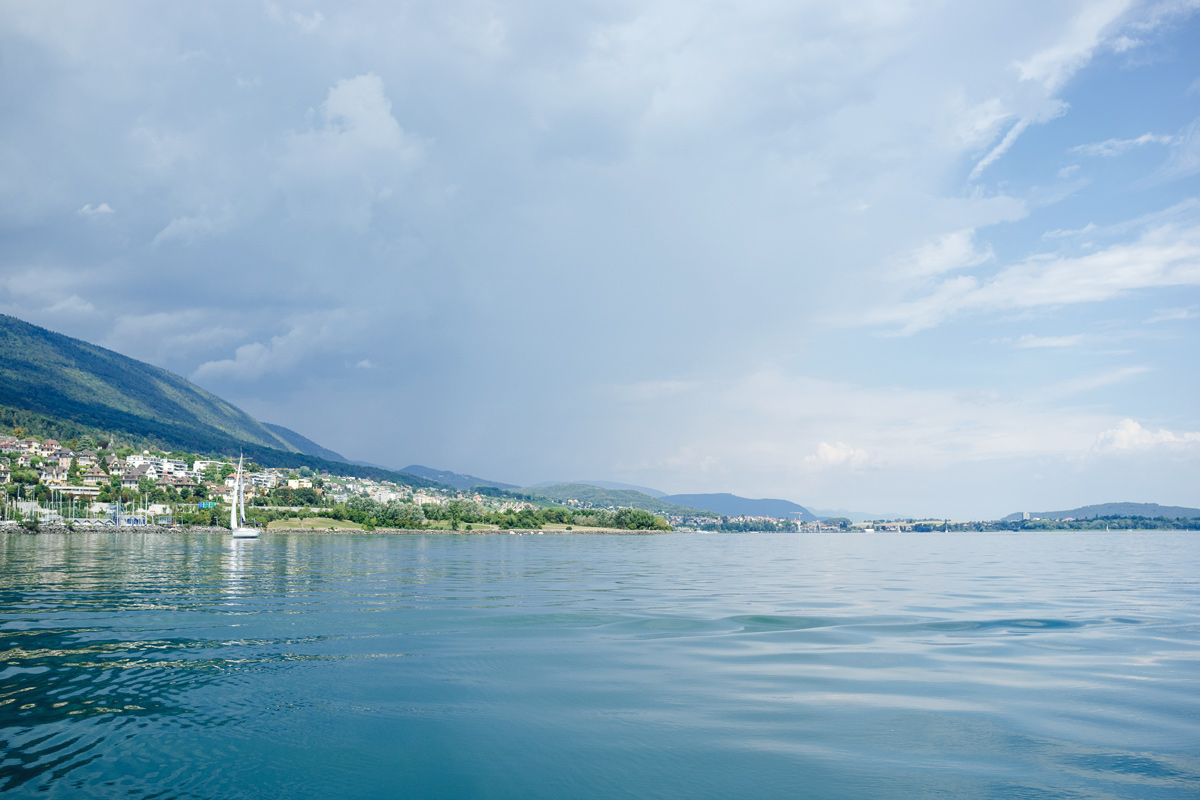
column 241, row 495
column 237, row 481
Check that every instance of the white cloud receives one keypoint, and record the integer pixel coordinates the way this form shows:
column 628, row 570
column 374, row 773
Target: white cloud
column 686, row 459
column 1114, row 147
column 1029, row 340
column 771, row 420
column 1050, row 68
column 1173, row 314
column 1123, row 44
column 305, row 23
column 1055, row 65
column 54, row 297
column 836, row 455
column 162, row 336
column 1083, row 384
column 980, row 124
column 1185, row 154
column 190, row 229
column 356, row 157
column 1129, row 435
column 1068, row 170
column 994, row 155
column 780, row 435
column 309, row 336
column 251, row 361
column 948, row 252
column 71, row 305
column 1063, row 234
column 90, row 210
column 308, row 24
column 772, row 433
column 42, row 285
column 1163, row 257
column 1043, row 111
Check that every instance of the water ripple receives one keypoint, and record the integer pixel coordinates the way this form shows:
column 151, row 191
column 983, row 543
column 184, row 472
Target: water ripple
column 708, row 666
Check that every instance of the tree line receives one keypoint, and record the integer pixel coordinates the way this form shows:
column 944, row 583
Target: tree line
column 460, row 513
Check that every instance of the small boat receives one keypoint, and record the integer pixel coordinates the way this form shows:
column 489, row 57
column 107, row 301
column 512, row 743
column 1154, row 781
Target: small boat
column 238, row 503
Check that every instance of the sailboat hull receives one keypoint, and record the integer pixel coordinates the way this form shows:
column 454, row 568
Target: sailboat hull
column 245, row 533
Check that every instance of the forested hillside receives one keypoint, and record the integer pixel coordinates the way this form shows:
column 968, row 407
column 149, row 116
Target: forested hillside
column 53, row 385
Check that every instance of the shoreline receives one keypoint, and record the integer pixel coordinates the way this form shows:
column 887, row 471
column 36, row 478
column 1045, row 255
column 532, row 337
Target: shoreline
column 162, row 530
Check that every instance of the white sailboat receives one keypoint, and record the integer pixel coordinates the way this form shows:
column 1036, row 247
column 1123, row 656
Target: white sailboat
column 238, row 503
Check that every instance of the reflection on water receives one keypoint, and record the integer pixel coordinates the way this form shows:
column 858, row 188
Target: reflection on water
column 56, row 677
column 582, row 666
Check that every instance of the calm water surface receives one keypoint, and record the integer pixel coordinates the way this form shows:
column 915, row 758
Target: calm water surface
column 680, row 666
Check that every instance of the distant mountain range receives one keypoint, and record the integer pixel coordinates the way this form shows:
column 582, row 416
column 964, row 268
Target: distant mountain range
column 600, row 494
column 730, row 505
column 855, row 516
column 599, row 497
column 60, row 385
column 458, row 480
column 605, row 485
column 1114, row 510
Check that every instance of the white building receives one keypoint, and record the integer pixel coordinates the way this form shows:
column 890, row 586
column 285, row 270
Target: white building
column 264, row 480
column 172, row 466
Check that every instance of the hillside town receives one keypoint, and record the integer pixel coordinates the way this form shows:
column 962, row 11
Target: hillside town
column 89, row 483
column 81, row 483
column 42, row 477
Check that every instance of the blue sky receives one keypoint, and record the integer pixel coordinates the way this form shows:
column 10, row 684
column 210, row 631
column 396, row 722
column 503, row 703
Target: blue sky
column 921, row 257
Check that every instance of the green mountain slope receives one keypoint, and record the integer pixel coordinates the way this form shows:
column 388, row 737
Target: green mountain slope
column 58, row 376
column 53, row 384
column 304, row 444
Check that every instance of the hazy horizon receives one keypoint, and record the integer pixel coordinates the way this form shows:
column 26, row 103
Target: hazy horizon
column 929, row 258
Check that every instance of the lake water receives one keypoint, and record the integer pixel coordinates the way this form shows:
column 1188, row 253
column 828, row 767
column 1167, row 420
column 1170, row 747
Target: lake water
column 574, row 666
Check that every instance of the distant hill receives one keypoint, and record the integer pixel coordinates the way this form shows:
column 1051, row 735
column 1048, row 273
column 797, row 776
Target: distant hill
column 53, row 383
column 458, row 480
column 599, row 497
column 306, row 445
column 606, row 485
column 370, row 464
column 1114, row 510
column 730, row 505
column 856, row 516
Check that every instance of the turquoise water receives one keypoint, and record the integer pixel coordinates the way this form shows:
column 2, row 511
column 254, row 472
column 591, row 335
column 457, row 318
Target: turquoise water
column 574, row 666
